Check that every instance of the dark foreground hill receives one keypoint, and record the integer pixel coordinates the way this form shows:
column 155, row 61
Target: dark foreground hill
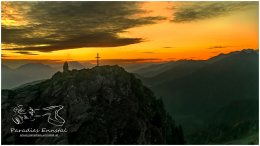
column 102, row 105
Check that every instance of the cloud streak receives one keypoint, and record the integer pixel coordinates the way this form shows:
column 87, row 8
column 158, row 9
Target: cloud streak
column 4, row 55
column 55, row 26
column 25, row 53
column 168, row 47
column 218, row 47
column 90, row 40
column 195, row 11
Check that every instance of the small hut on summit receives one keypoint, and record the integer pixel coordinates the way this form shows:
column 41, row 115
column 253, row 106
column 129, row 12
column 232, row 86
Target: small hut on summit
column 65, row 67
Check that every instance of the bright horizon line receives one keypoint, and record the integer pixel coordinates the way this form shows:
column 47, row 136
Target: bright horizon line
column 149, row 60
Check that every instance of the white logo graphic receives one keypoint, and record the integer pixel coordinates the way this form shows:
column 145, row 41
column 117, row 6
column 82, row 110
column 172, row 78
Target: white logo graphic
column 23, row 113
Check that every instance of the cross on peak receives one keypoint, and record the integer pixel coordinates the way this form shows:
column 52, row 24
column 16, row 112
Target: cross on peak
column 97, row 59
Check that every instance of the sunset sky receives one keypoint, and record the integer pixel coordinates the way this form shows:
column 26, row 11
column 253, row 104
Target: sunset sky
column 126, row 31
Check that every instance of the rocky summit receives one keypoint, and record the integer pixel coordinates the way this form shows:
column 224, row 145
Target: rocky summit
column 101, row 105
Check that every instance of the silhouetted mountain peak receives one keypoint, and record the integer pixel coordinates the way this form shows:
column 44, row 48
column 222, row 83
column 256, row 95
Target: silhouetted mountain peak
column 221, row 95
column 249, row 51
column 103, row 105
column 33, row 65
column 232, row 55
column 5, row 67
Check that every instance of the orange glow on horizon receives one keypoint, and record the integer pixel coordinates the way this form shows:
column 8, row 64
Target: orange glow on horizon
column 165, row 40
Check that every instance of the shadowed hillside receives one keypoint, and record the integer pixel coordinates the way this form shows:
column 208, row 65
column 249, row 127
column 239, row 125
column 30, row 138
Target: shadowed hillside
column 102, row 105
column 219, row 94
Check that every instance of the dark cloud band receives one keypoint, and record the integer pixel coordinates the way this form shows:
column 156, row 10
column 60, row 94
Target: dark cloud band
column 25, row 53
column 67, row 25
column 194, row 11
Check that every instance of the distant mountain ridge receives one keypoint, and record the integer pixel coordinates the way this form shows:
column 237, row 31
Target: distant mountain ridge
column 30, row 72
column 152, row 70
column 32, row 66
column 25, row 73
column 178, row 69
column 209, row 94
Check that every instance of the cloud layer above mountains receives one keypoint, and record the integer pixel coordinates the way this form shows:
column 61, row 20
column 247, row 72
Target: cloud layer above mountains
column 51, row 26
column 195, row 11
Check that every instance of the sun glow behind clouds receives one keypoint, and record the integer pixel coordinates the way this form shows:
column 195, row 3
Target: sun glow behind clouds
column 12, row 16
column 163, row 38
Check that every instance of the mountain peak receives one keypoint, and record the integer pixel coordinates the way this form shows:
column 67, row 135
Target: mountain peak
column 249, row 51
column 33, row 65
column 103, row 105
